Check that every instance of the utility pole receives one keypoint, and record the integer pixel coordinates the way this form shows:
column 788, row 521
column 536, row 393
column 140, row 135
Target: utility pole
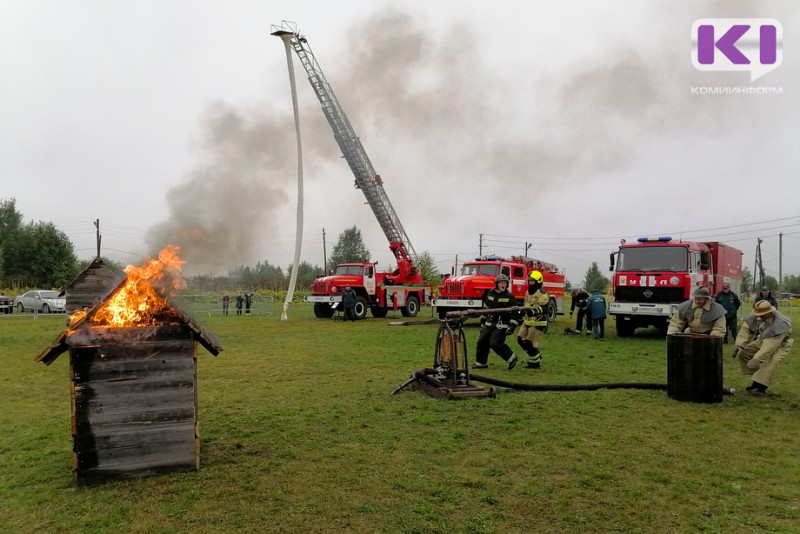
column 99, row 237
column 780, row 263
column 480, row 245
column 527, row 246
column 324, row 254
column 759, row 263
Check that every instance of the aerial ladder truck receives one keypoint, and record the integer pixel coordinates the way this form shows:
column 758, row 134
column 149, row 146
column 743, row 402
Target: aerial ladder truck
column 402, row 289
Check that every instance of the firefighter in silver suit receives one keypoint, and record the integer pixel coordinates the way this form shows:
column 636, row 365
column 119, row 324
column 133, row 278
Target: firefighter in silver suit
column 534, row 323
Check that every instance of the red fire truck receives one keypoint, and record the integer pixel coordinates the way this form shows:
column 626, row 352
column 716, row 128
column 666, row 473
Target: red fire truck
column 401, row 289
column 466, row 290
column 655, row 274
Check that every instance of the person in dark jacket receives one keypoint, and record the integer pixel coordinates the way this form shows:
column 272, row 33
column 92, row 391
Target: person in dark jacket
column 239, row 303
column 495, row 327
column 248, row 301
column 579, row 298
column 765, row 294
column 730, row 301
column 349, row 303
column 596, row 306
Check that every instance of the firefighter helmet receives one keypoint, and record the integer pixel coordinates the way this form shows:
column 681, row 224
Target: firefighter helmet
column 535, row 276
column 501, row 278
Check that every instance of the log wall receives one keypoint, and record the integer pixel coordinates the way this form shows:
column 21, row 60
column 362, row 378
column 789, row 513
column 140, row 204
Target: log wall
column 134, row 407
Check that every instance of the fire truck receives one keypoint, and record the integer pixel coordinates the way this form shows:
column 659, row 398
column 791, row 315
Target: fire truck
column 655, row 274
column 402, row 289
column 466, row 291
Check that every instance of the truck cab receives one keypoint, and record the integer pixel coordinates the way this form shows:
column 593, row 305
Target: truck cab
column 466, row 289
column 652, row 276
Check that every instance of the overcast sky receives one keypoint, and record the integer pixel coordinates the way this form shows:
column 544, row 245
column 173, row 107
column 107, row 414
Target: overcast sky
column 568, row 125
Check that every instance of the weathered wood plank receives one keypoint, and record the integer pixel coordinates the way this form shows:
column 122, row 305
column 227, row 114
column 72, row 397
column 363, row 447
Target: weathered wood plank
column 142, row 453
column 158, row 399
column 94, row 476
column 110, row 436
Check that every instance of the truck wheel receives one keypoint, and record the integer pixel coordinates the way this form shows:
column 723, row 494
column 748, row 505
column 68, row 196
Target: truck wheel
column 322, row 310
column 625, row 328
column 411, row 309
column 551, row 311
column 379, row 313
column 360, row 309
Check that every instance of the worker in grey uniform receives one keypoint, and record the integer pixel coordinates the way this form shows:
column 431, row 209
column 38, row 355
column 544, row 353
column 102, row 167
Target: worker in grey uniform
column 764, row 340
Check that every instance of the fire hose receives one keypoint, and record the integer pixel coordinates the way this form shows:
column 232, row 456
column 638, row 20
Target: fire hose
column 576, row 387
column 454, row 317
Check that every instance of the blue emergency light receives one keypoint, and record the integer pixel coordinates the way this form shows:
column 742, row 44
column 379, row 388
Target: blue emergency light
column 663, row 239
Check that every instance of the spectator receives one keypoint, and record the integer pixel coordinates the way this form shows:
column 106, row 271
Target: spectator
column 765, row 294
column 248, row 301
column 763, row 342
column 226, row 300
column 349, row 303
column 730, row 301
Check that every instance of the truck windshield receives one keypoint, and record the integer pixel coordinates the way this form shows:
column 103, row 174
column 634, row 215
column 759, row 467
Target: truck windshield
column 349, row 269
column 477, row 268
column 652, row 259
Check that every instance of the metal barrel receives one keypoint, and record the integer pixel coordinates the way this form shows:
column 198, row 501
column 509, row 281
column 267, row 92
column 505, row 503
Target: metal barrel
column 694, row 368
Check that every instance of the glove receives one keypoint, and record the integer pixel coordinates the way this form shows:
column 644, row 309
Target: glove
column 736, row 352
column 754, row 364
column 510, row 330
column 570, row 314
column 535, row 310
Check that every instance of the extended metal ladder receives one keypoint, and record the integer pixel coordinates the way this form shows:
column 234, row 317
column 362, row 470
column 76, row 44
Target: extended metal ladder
column 366, row 178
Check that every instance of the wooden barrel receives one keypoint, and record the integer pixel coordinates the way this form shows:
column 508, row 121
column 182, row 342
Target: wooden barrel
column 694, row 368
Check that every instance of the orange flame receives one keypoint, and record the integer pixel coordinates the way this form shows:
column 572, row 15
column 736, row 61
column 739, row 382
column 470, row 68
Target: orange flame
column 142, row 300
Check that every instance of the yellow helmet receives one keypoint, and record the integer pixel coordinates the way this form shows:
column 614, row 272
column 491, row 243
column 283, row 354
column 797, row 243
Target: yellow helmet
column 536, row 276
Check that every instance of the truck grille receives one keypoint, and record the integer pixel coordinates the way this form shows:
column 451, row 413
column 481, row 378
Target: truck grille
column 454, row 288
column 319, row 288
column 657, row 294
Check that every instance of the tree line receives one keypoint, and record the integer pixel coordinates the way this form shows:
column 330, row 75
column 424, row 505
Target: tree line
column 37, row 254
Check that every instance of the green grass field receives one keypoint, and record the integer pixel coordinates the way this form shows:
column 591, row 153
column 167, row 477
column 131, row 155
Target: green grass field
column 300, row 434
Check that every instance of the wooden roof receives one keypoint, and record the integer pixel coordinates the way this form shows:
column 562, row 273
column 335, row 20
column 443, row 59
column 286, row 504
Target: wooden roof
column 61, row 343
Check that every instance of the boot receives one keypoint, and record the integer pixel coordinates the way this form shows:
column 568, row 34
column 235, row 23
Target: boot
column 512, row 362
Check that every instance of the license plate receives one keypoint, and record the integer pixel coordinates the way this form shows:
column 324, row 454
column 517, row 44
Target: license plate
column 648, row 309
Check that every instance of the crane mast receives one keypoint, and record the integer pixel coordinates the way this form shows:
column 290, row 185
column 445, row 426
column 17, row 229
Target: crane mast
column 353, row 151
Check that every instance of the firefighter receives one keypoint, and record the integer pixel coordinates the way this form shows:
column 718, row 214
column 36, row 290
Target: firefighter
column 579, row 299
column 763, row 342
column 534, row 323
column 700, row 315
column 495, row 327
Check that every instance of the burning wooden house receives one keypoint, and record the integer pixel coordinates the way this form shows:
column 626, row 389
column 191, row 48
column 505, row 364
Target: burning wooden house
column 93, row 284
column 133, row 365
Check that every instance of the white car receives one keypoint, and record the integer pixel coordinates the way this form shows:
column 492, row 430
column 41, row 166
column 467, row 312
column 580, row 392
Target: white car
column 41, row 300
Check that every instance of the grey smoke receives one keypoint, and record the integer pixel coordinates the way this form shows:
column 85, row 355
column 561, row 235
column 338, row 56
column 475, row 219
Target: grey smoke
column 427, row 103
